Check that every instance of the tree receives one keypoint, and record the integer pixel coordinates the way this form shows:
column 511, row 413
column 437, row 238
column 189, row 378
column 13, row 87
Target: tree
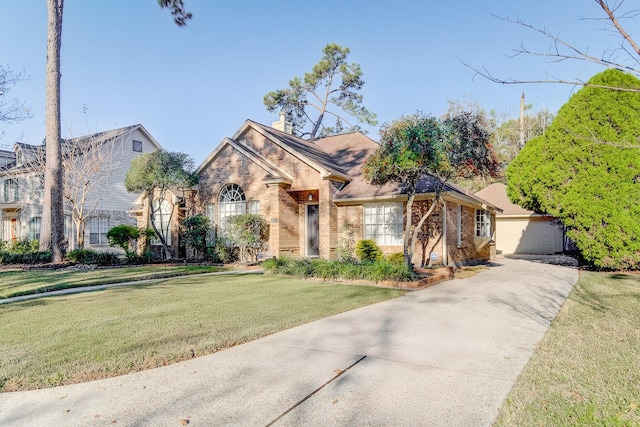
column 421, row 152
column 250, row 233
column 11, row 111
column 562, row 50
column 153, row 174
column 52, row 235
column 584, row 171
column 52, row 231
column 332, row 83
column 506, row 138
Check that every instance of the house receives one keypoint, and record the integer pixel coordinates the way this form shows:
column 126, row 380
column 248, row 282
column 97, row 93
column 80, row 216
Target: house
column 94, row 172
column 521, row 231
column 311, row 192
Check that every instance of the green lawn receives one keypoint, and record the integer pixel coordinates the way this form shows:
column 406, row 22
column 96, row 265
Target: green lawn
column 24, row 282
column 586, row 370
column 61, row 340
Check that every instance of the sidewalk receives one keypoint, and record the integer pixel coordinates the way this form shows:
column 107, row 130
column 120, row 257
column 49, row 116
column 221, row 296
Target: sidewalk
column 444, row 356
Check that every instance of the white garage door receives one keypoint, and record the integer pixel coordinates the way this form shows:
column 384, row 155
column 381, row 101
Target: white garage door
column 528, row 237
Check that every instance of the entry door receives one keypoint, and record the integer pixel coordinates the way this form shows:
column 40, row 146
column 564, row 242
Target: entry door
column 14, row 229
column 313, row 230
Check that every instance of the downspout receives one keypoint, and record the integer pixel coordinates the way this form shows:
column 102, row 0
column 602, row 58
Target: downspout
column 445, row 257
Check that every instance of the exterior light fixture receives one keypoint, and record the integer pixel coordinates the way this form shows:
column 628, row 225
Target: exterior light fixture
column 310, row 197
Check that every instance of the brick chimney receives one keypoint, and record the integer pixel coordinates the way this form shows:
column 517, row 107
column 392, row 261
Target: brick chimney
column 283, row 125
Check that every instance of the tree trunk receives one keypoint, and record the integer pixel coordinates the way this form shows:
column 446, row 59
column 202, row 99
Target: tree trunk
column 52, row 235
column 80, row 228
column 316, row 127
column 408, row 250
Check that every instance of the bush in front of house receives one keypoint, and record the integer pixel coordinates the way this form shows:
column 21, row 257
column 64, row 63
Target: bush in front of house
column 250, row 234
column 124, row 236
column 23, row 252
column 222, row 251
column 194, row 230
column 334, row 270
column 368, row 251
column 89, row 256
column 396, row 258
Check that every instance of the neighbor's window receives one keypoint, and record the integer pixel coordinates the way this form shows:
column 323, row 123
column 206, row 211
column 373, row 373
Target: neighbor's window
column 37, row 187
column 35, row 224
column 383, row 223
column 98, row 228
column 137, row 146
column 161, row 213
column 483, row 223
column 11, row 193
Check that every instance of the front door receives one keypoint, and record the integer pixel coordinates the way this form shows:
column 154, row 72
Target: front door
column 313, row 230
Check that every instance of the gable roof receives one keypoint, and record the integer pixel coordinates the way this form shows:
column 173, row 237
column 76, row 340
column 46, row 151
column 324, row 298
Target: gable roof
column 497, row 194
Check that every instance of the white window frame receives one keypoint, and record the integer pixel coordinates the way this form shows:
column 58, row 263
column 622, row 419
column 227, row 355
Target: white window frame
column 98, row 228
column 483, row 223
column 11, row 190
column 384, row 223
column 35, row 226
column 161, row 210
column 232, row 201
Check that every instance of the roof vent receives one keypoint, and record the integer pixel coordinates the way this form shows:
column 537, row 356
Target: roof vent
column 283, row 125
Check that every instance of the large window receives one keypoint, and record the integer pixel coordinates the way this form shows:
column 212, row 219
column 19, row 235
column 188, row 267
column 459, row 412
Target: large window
column 483, row 223
column 11, row 193
column 35, row 224
column 161, row 213
column 37, row 187
column 383, row 223
column 98, row 228
column 232, row 201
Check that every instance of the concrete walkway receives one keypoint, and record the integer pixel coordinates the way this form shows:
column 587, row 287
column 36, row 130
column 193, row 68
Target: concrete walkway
column 443, row 356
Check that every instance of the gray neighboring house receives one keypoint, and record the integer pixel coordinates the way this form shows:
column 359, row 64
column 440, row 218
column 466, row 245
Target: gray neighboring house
column 520, row 231
column 106, row 204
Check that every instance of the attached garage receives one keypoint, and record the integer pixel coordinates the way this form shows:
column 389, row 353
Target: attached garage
column 519, row 231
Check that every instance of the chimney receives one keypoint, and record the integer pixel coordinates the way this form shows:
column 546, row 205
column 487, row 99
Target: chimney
column 283, row 125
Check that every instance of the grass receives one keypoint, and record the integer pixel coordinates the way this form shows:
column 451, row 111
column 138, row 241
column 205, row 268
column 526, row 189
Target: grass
column 67, row 339
column 24, row 282
column 586, row 370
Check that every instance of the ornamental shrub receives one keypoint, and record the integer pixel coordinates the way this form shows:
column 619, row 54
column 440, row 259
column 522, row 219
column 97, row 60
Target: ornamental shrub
column 368, row 251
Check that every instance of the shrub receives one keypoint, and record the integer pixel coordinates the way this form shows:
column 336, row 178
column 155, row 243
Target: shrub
column 303, row 268
column 396, row 258
column 345, row 249
column 222, row 251
column 88, row 256
column 124, row 236
column 250, row 233
column 194, row 232
column 368, row 251
column 34, row 257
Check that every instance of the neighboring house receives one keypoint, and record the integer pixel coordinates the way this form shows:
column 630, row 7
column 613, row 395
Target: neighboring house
column 101, row 160
column 311, row 192
column 521, row 231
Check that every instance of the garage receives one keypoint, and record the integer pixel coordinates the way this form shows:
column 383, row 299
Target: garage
column 519, row 231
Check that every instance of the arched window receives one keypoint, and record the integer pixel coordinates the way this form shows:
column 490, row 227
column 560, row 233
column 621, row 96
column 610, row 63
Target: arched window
column 161, row 213
column 231, row 202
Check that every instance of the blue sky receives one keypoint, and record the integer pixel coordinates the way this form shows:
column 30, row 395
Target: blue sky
column 126, row 62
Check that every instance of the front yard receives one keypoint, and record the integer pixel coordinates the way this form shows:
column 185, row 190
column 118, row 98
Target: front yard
column 61, row 340
column 585, row 371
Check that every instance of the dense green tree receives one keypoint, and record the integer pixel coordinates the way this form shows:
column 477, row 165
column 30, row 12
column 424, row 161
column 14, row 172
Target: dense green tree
column 332, row 82
column 153, row 174
column 124, row 236
column 422, row 150
column 585, row 171
column 194, row 231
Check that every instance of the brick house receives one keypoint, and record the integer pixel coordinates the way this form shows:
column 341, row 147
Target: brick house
column 311, row 192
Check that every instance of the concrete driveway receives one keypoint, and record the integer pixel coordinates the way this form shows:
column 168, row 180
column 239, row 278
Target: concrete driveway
column 443, row 356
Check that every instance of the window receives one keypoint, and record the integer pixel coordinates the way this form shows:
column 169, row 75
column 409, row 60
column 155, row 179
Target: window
column 210, row 212
column 11, row 193
column 98, row 228
column 483, row 223
column 383, row 223
column 36, row 184
column 459, row 225
column 137, row 146
column 161, row 214
column 35, row 224
column 232, row 201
